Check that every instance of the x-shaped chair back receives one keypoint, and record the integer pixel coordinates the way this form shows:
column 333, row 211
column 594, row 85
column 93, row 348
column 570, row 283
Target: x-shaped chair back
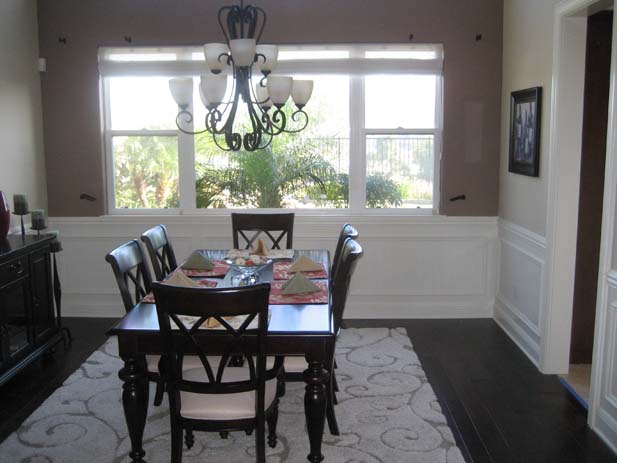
column 131, row 272
column 160, row 251
column 250, row 227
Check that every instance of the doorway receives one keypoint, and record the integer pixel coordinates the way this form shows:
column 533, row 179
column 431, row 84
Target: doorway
column 591, row 192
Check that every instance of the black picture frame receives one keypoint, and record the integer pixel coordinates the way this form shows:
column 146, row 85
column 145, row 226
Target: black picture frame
column 525, row 124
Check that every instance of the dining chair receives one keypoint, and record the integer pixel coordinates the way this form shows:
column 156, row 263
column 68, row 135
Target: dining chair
column 347, row 231
column 294, row 366
column 216, row 397
column 160, row 251
column 252, row 226
column 134, row 282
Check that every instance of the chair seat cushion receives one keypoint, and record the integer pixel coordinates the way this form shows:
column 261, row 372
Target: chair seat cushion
column 222, row 406
column 190, row 362
column 295, row 364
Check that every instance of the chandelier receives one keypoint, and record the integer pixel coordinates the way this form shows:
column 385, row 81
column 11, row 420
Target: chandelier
column 243, row 57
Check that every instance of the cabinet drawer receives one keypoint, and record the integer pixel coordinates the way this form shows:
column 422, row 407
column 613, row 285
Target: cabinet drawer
column 13, row 270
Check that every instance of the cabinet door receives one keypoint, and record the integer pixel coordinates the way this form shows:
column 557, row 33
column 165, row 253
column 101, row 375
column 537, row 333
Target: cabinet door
column 16, row 335
column 42, row 306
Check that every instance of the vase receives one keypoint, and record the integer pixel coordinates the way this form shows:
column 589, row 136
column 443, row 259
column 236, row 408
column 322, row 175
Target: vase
column 5, row 216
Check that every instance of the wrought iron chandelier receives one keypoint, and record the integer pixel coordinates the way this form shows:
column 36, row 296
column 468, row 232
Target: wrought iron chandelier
column 242, row 55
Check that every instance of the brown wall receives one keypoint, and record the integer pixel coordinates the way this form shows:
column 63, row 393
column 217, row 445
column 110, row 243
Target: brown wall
column 471, row 93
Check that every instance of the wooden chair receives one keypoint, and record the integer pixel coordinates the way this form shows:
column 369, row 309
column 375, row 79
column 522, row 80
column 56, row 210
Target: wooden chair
column 348, row 231
column 134, row 282
column 350, row 253
column 216, row 397
column 262, row 224
column 160, row 251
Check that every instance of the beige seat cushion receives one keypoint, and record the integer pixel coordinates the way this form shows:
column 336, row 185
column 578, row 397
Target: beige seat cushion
column 222, row 406
column 190, row 362
column 295, row 364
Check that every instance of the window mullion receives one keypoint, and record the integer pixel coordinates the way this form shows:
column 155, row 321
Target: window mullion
column 357, row 145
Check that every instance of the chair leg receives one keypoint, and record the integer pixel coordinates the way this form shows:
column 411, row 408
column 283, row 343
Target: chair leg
column 334, row 385
column 189, row 438
column 160, row 391
column 260, row 440
column 330, row 415
column 176, row 443
column 272, row 420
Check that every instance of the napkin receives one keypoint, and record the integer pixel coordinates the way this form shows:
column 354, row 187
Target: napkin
column 180, row 279
column 299, row 284
column 197, row 261
column 305, row 264
column 260, row 249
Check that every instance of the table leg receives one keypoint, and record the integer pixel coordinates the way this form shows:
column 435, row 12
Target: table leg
column 315, row 406
column 135, row 402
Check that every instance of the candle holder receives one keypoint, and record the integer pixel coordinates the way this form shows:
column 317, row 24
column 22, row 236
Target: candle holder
column 38, row 221
column 20, row 208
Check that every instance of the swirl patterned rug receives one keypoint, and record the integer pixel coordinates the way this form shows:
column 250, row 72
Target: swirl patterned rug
column 387, row 413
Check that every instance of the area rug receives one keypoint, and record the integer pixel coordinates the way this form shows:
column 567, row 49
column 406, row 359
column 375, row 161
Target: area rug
column 387, row 413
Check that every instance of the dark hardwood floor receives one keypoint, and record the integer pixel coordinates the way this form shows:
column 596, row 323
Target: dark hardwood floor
column 500, row 408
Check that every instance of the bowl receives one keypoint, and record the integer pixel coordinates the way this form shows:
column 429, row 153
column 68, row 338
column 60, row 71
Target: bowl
column 250, row 266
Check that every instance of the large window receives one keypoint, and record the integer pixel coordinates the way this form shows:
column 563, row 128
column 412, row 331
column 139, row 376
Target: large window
column 372, row 141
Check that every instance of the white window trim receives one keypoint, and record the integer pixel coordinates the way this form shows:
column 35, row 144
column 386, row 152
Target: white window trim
column 357, row 135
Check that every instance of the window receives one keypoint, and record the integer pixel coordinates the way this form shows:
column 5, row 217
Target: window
column 372, row 142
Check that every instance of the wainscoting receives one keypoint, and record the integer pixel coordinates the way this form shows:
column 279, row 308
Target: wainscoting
column 520, row 290
column 414, row 267
column 604, row 373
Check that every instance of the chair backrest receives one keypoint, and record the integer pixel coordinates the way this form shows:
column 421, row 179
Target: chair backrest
column 350, row 253
column 130, row 270
column 274, row 226
column 160, row 251
column 348, row 231
column 174, row 304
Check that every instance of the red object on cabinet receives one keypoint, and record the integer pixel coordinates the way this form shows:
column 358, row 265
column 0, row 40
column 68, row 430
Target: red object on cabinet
column 5, row 216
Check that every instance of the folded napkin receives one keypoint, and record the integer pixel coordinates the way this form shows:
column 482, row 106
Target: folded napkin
column 213, row 322
column 261, row 249
column 299, row 284
column 305, row 264
column 180, row 279
column 197, row 261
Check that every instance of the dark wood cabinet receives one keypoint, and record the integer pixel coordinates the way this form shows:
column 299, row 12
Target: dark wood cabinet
column 28, row 325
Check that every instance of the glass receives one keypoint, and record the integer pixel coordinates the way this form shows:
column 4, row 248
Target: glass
column 138, row 103
column 399, row 171
column 146, row 172
column 305, row 170
column 406, row 101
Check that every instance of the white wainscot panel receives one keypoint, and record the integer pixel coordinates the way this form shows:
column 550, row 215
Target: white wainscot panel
column 606, row 414
column 414, row 267
column 520, row 290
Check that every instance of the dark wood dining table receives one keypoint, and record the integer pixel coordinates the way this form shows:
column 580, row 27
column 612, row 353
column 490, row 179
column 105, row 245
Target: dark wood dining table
column 294, row 329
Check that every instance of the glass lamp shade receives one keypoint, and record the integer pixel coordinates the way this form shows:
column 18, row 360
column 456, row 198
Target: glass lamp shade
column 205, row 102
column 182, row 90
column 271, row 53
column 279, row 89
column 301, row 91
column 242, row 51
column 212, row 52
column 263, row 99
column 212, row 88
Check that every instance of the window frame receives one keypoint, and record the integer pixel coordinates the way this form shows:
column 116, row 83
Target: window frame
column 186, row 146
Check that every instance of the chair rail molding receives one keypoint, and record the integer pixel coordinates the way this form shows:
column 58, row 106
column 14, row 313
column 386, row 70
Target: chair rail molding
column 414, row 267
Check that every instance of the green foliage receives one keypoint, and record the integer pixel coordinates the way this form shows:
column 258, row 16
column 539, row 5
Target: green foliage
column 146, row 172
column 382, row 191
column 265, row 178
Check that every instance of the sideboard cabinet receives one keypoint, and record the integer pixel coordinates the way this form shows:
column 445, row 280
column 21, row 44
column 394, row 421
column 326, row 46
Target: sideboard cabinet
column 28, row 325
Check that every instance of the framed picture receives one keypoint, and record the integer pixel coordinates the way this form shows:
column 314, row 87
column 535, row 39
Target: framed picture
column 525, row 107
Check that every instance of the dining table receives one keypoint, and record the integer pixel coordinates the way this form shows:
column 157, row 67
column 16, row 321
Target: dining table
column 293, row 329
